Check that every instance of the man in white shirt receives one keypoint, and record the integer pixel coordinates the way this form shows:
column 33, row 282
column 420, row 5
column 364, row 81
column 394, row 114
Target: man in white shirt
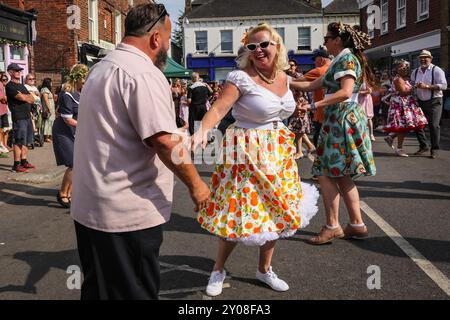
column 430, row 81
column 124, row 162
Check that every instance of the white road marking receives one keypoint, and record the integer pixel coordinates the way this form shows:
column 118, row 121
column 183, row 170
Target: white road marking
column 430, row 270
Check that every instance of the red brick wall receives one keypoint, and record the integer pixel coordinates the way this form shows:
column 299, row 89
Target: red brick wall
column 413, row 28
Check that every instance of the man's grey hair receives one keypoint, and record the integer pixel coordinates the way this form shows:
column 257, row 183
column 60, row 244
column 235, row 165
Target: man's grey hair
column 139, row 19
column 195, row 76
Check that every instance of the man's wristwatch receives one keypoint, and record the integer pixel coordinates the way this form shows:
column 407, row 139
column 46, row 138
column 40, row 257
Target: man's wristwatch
column 313, row 106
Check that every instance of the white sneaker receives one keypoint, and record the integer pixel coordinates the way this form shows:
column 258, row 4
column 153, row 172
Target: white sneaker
column 270, row 278
column 3, row 149
column 215, row 283
column 401, row 153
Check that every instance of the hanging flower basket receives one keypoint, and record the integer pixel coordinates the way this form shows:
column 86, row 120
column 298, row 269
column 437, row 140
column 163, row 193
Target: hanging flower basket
column 14, row 43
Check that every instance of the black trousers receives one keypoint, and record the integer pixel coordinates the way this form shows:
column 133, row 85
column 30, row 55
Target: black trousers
column 433, row 112
column 119, row 266
column 196, row 113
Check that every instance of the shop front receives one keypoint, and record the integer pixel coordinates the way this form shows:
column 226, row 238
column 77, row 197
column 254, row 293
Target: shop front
column 16, row 32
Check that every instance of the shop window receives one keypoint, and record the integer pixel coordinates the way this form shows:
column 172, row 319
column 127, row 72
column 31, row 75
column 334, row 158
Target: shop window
column 2, row 59
column 16, row 53
column 221, row 73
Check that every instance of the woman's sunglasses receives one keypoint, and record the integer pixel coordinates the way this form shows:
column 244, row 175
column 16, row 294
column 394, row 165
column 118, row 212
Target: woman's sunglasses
column 4, row 79
column 262, row 45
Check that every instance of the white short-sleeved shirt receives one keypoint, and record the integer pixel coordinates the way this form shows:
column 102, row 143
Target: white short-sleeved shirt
column 258, row 105
column 119, row 183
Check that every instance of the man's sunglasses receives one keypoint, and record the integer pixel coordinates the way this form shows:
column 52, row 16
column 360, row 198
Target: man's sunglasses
column 262, row 45
column 162, row 12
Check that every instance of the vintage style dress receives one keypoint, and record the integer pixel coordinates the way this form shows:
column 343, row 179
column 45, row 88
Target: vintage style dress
column 256, row 191
column 344, row 147
column 404, row 113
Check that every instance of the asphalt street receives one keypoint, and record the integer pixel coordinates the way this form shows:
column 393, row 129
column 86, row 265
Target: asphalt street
column 410, row 195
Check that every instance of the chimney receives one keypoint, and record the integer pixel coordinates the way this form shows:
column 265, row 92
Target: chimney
column 187, row 6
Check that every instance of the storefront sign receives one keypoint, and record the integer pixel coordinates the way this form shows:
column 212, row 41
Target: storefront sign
column 13, row 30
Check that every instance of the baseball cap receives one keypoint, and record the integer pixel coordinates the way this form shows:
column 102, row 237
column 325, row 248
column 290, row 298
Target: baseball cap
column 320, row 53
column 15, row 67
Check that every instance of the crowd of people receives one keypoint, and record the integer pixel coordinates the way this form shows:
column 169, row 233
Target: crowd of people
column 121, row 165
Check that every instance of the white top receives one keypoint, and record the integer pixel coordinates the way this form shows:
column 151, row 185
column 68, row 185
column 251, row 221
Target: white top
column 119, row 183
column 439, row 80
column 258, row 105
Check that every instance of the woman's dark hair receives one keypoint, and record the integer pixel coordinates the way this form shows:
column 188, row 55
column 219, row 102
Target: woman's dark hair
column 334, row 29
column 47, row 83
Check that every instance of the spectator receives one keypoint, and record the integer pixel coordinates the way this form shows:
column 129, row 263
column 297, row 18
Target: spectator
column 430, row 81
column 20, row 102
column 4, row 123
column 48, row 108
column 36, row 110
column 198, row 95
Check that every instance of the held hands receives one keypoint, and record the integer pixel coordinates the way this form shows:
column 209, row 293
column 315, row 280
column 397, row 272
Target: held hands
column 200, row 195
column 200, row 138
column 423, row 85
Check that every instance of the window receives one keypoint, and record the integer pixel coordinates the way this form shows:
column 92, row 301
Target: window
column 304, row 38
column 423, row 7
column 384, row 16
column 226, row 41
column 118, row 26
column 201, row 41
column 16, row 53
column 281, row 33
column 2, row 58
column 93, row 21
column 401, row 13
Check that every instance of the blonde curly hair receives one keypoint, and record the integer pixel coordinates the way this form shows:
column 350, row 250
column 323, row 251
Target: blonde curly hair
column 78, row 73
column 281, row 58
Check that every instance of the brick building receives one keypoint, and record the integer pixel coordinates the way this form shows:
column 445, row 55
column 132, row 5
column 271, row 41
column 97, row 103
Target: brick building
column 71, row 31
column 406, row 28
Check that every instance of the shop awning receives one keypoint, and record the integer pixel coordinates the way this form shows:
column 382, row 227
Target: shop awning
column 175, row 70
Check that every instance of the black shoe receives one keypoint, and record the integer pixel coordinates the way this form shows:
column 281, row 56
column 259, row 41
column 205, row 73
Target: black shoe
column 64, row 204
column 433, row 154
column 421, row 151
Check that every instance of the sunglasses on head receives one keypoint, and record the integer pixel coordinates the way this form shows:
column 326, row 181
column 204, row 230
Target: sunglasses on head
column 262, row 45
column 162, row 12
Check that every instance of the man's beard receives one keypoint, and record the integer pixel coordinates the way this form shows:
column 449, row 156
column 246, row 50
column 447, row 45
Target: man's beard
column 161, row 59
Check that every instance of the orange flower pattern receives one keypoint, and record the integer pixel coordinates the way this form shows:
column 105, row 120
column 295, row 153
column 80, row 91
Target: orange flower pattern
column 257, row 188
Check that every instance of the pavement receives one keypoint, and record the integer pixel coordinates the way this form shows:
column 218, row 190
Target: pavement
column 44, row 160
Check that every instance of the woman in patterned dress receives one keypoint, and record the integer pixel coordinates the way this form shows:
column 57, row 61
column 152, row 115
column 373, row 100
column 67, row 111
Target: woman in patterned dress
column 404, row 113
column 256, row 192
column 344, row 149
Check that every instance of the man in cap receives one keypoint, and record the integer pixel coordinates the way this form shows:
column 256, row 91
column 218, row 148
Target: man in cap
column 20, row 101
column 430, row 81
column 322, row 62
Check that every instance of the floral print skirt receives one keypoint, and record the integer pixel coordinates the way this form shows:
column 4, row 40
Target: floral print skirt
column 404, row 115
column 344, row 147
column 256, row 191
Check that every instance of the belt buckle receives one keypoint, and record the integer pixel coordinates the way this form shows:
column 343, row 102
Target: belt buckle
column 275, row 124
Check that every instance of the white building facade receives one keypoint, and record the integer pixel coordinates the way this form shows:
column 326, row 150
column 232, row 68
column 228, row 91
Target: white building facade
column 213, row 31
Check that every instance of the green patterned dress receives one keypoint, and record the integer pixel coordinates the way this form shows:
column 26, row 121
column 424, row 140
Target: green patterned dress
column 344, row 147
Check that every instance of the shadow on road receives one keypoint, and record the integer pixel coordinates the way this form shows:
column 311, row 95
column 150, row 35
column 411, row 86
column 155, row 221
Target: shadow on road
column 9, row 194
column 184, row 224
column 433, row 250
column 40, row 263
